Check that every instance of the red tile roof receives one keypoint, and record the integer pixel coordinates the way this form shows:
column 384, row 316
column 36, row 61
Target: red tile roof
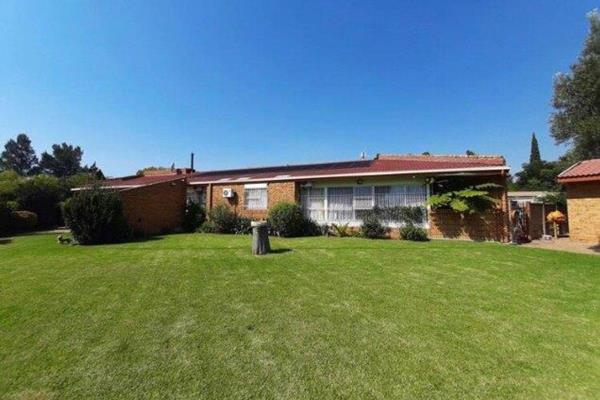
column 382, row 165
column 588, row 170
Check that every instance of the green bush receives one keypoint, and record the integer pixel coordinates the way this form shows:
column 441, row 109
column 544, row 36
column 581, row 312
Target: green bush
column 13, row 206
column 311, row 228
column 5, row 218
column 243, row 226
column 371, row 227
column 193, row 217
column 96, row 216
column 41, row 195
column 287, row 220
column 414, row 233
column 207, row 227
column 223, row 219
column 24, row 221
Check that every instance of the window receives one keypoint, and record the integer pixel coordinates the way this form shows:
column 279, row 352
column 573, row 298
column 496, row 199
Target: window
column 196, row 195
column 339, row 204
column 350, row 204
column 255, row 196
column 313, row 203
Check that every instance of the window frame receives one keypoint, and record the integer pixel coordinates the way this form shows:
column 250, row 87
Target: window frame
column 256, row 187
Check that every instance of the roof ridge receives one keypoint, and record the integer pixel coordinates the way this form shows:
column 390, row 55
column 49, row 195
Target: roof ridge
column 472, row 156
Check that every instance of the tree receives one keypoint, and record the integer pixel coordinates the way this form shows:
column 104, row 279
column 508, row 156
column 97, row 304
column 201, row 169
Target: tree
column 470, row 153
column 534, row 155
column 65, row 160
column 576, row 119
column 18, row 155
column 93, row 171
column 540, row 175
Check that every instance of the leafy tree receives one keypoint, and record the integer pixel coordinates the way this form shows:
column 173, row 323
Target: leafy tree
column 576, row 119
column 65, row 160
column 18, row 155
column 94, row 172
column 534, row 155
column 470, row 153
column 539, row 174
column 152, row 168
column 9, row 181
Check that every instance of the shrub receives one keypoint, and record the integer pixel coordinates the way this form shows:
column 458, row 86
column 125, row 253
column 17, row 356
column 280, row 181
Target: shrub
column 243, row 226
column 371, row 227
column 193, row 217
column 207, row 227
column 96, row 216
column 311, row 228
column 414, row 233
column 223, row 219
column 13, row 206
column 287, row 219
column 5, row 218
column 41, row 195
column 24, row 221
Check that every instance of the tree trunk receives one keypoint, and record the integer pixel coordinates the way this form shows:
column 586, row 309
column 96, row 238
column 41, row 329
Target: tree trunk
column 260, row 238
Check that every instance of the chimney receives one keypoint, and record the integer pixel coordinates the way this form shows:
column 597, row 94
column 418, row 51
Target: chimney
column 192, row 161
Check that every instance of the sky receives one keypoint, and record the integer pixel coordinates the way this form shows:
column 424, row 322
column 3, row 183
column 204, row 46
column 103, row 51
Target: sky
column 252, row 83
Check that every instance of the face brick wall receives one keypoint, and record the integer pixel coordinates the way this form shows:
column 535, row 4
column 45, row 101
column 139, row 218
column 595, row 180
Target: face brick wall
column 156, row 208
column 276, row 192
column 492, row 225
column 583, row 203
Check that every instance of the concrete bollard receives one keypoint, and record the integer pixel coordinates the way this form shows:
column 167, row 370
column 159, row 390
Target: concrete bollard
column 260, row 238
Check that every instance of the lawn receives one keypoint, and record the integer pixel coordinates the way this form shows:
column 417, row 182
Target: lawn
column 197, row 316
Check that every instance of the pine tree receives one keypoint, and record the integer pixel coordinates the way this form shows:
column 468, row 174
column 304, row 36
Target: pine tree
column 534, row 156
column 18, row 155
column 576, row 119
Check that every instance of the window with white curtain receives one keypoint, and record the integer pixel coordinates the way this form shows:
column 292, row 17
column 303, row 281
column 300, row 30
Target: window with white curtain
column 340, row 204
column 313, row 203
column 350, row 203
column 255, row 196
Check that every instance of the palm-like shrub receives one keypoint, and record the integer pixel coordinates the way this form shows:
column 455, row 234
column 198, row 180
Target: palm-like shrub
column 96, row 216
column 469, row 200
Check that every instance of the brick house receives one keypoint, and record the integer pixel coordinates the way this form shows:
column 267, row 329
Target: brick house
column 582, row 181
column 337, row 192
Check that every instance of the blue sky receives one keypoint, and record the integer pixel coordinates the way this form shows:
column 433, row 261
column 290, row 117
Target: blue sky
column 246, row 83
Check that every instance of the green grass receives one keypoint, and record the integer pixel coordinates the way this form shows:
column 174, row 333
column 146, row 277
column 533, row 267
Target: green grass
column 196, row 316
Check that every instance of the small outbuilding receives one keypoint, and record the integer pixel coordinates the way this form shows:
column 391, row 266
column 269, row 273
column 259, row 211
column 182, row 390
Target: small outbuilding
column 582, row 181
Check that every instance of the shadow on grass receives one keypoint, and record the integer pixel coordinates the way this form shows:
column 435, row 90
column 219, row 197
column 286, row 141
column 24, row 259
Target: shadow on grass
column 280, row 251
column 5, row 241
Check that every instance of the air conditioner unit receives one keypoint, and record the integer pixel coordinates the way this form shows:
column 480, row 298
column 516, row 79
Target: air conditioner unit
column 228, row 193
